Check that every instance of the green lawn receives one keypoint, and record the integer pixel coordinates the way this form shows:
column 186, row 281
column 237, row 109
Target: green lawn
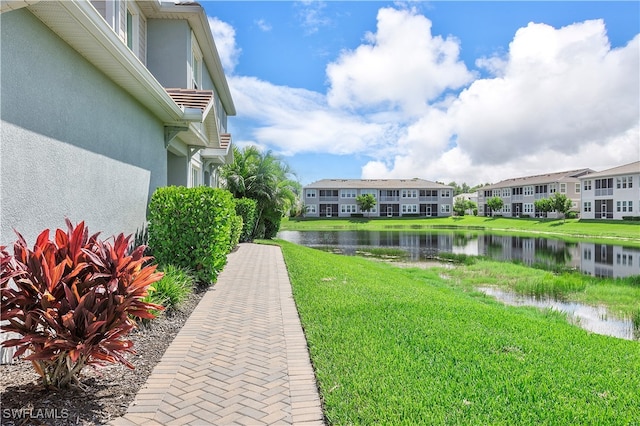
column 403, row 346
column 592, row 229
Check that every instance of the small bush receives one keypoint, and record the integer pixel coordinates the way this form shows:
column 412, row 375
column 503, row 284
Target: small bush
column 173, row 289
column 72, row 300
column 191, row 228
column 632, row 218
column 571, row 215
column 246, row 208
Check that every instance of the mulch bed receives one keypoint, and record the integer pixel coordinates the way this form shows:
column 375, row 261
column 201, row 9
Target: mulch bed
column 108, row 390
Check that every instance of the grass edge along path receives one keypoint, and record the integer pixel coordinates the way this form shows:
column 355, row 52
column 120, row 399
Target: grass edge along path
column 390, row 346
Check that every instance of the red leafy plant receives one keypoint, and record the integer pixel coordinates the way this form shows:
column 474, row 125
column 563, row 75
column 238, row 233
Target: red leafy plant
column 73, row 300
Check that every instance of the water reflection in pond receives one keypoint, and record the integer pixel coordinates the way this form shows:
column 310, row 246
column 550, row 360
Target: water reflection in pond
column 594, row 319
column 599, row 260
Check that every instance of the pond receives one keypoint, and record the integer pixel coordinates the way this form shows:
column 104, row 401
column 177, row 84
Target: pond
column 592, row 318
column 600, row 260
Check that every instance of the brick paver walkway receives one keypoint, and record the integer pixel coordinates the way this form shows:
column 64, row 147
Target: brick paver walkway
column 241, row 358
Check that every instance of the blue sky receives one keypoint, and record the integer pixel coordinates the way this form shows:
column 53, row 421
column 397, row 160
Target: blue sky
column 447, row 91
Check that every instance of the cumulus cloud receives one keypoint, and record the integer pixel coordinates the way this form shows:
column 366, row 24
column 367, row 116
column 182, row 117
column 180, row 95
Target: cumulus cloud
column 224, row 36
column 561, row 99
column 401, row 65
column 311, row 15
column 558, row 99
column 263, row 25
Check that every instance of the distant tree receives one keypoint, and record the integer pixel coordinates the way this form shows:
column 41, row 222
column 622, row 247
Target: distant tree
column 366, row 202
column 544, row 205
column 460, row 206
column 561, row 204
column 495, row 203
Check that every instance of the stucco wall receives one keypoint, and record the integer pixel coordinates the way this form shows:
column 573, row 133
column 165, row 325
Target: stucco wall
column 73, row 144
column 168, row 50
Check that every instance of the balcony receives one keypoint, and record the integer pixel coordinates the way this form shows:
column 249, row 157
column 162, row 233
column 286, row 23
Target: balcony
column 604, row 191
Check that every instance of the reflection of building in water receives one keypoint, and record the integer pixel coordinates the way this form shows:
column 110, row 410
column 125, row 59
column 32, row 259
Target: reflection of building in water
column 602, row 260
column 530, row 251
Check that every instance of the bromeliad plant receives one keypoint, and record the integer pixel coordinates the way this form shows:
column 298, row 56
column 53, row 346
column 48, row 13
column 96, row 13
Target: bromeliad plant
column 73, row 300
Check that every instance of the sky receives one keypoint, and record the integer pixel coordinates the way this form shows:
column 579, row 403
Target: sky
column 448, row 91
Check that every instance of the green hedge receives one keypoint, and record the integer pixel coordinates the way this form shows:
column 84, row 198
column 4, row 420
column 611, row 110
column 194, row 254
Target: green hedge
column 246, row 208
column 191, row 228
column 236, row 230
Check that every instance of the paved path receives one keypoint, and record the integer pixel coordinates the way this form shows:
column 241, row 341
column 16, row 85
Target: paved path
column 241, row 358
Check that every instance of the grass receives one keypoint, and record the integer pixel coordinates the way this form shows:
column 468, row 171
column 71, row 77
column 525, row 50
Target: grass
column 571, row 229
column 404, row 346
column 174, row 287
column 621, row 296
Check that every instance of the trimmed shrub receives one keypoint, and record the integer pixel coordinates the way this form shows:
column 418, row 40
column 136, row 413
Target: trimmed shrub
column 236, row 230
column 191, row 228
column 246, row 208
column 72, row 300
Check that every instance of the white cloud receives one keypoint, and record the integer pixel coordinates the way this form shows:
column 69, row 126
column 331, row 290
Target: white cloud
column 263, row 25
column 562, row 99
column 311, row 15
column 401, row 65
column 224, row 36
column 559, row 99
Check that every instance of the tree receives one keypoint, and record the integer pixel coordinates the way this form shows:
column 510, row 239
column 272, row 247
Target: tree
column 267, row 179
column 561, row 204
column 495, row 203
column 544, row 205
column 366, row 202
column 460, row 206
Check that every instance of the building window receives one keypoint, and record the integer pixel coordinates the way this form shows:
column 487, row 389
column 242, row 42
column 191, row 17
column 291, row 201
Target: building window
column 348, row 208
column 506, row 208
column 528, row 190
column 312, row 208
column 587, row 185
column 618, row 206
column 445, row 193
column 624, row 182
column 369, row 191
column 195, row 176
column 311, row 193
column 506, row 192
column 528, row 207
column 552, row 188
column 563, row 188
column 409, row 208
column 348, row 193
column 586, row 206
column 409, row 193
column 577, row 188
column 445, row 208
column 196, row 64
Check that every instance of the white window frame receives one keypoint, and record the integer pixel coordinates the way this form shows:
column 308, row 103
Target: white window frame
column 348, row 208
column 445, row 208
column 506, row 192
column 312, row 208
column 348, row 193
column 528, row 208
column 563, row 188
column 527, row 190
column 409, row 193
column 587, row 185
column 410, row 208
column 552, row 188
column 586, row 206
column 445, row 193
column 311, row 193
column 196, row 64
column 373, row 192
column 577, row 188
column 196, row 175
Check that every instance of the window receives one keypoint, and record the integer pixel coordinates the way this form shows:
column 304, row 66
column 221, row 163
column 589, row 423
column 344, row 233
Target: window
column 586, row 207
column 552, row 188
column 506, row 192
column 445, row 193
column 195, row 176
column 445, row 208
column 528, row 207
column 409, row 208
column 587, row 185
column 429, row 193
column 329, row 193
column 129, row 29
column 312, row 208
column 348, row 193
column 618, row 206
column 348, row 208
column 516, row 190
column 369, row 191
column 506, row 208
column 196, row 64
column 630, row 206
column 409, row 193
column 496, row 193
column 577, row 188
column 528, row 190
column 563, row 188
column 624, row 182
column 311, row 193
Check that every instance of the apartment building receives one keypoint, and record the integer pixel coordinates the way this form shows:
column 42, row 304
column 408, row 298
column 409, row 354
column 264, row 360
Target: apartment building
column 394, row 198
column 611, row 194
column 520, row 194
column 103, row 102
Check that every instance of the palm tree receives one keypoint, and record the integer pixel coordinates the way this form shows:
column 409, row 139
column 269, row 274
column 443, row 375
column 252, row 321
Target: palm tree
column 265, row 178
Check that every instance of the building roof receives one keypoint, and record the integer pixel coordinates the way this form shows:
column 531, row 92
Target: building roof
column 376, row 184
column 539, row 179
column 626, row 169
